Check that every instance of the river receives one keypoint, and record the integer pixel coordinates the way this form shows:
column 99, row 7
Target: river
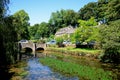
column 37, row 71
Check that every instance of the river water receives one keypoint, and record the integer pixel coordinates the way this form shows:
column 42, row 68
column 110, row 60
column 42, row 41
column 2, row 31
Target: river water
column 37, row 71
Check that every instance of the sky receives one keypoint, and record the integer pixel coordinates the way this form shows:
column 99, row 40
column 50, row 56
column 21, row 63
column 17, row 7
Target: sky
column 40, row 10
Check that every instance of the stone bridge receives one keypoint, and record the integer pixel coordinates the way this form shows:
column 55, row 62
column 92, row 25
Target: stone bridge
column 33, row 46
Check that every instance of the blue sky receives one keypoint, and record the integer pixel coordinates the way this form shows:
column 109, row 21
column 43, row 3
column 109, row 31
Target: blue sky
column 40, row 10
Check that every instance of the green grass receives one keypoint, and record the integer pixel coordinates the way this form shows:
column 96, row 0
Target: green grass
column 24, row 73
column 18, row 70
column 73, row 69
column 75, row 51
column 85, row 50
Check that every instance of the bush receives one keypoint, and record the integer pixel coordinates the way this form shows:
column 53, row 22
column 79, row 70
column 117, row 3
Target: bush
column 110, row 40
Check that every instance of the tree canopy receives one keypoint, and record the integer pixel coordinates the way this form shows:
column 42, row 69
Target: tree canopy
column 63, row 18
column 87, row 31
column 110, row 40
column 107, row 10
column 21, row 23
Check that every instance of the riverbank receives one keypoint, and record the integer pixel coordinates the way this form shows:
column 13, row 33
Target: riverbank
column 84, row 72
column 18, row 70
column 89, row 58
column 76, row 51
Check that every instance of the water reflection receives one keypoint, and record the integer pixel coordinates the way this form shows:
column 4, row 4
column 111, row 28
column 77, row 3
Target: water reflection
column 39, row 72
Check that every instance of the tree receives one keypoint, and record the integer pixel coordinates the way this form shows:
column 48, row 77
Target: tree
column 21, row 23
column 110, row 40
column 8, row 38
column 88, row 11
column 70, row 18
column 3, row 8
column 10, row 41
column 32, row 30
column 113, row 11
column 86, row 31
column 63, row 18
column 42, row 31
column 102, row 10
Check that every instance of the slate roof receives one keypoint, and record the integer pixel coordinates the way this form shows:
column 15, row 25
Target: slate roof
column 66, row 30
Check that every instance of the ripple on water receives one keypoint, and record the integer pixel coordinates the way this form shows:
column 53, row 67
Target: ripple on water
column 39, row 72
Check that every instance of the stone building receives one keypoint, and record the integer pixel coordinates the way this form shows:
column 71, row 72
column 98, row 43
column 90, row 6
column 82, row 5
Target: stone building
column 65, row 31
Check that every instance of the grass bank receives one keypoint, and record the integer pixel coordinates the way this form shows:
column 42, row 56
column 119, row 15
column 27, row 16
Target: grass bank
column 18, row 70
column 76, row 51
column 73, row 69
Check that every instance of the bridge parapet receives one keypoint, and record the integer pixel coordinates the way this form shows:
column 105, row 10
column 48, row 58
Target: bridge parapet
column 33, row 46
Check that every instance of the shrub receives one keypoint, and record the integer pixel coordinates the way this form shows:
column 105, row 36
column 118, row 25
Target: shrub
column 110, row 40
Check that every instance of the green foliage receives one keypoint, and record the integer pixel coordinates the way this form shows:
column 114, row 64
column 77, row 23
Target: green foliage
column 8, row 37
column 62, row 18
column 21, row 24
column 59, row 39
column 110, row 40
column 50, row 38
column 90, row 22
column 62, row 38
column 102, row 9
column 86, row 31
column 3, row 8
column 83, row 72
column 42, row 31
column 113, row 11
column 18, row 70
column 72, row 38
column 88, row 11
column 41, row 41
column 74, row 51
column 39, row 31
column 33, row 30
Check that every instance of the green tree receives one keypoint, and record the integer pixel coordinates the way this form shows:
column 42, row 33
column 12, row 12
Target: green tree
column 32, row 30
column 3, row 5
column 113, row 10
column 63, row 18
column 42, row 31
column 70, row 18
column 21, row 23
column 88, row 11
column 102, row 10
column 3, row 8
column 87, row 31
column 8, row 37
column 110, row 40
column 10, row 40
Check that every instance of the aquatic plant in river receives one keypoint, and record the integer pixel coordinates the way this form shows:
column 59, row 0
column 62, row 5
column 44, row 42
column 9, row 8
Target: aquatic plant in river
column 73, row 69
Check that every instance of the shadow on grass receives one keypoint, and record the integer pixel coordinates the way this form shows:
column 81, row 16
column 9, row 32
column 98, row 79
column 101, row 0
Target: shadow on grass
column 4, row 73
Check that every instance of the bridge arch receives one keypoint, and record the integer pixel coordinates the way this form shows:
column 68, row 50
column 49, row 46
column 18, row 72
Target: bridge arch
column 32, row 47
column 28, row 50
column 41, row 46
column 39, row 49
column 28, row 46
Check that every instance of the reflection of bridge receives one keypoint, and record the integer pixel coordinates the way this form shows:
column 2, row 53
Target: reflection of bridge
column 33, row 46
